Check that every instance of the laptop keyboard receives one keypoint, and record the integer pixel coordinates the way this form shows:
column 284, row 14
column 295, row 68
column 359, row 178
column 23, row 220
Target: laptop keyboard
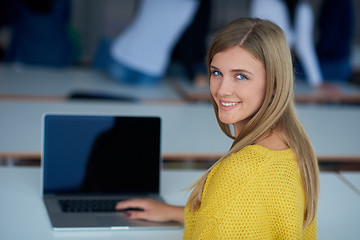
column 89, row 205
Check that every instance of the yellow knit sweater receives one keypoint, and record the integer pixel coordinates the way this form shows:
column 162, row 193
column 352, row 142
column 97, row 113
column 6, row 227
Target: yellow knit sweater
column 255, row 193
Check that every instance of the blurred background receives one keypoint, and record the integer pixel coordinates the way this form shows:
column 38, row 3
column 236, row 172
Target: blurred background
column 87, row 24
column 153, row 51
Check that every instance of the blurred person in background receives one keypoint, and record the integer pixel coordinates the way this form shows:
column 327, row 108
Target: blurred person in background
column 296, row 18
column 336, row 32
column 141, row 53
column 40, row 33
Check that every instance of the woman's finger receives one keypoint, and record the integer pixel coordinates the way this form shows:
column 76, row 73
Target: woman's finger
column 132, row 203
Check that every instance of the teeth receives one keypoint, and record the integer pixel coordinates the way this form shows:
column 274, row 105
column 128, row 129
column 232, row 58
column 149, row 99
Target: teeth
column 228, row 104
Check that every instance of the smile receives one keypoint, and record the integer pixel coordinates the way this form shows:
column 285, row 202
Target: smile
column 228, row 104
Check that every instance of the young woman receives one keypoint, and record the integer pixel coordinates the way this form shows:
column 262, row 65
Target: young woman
column 267, row 185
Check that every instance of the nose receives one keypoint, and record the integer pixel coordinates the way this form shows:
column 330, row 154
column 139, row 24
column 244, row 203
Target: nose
column 225, row 88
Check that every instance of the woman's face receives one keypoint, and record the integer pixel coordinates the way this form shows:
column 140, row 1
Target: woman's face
column 237, row 83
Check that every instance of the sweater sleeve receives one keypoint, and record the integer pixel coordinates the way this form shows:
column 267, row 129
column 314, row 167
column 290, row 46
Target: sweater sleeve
column 285, row 199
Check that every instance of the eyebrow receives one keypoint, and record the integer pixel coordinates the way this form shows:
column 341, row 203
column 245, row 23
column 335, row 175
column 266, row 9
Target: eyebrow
column 234, row 70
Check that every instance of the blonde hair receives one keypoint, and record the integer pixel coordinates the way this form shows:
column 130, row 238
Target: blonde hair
column 267, row 42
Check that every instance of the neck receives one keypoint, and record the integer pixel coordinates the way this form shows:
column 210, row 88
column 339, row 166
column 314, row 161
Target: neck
column 273, row 141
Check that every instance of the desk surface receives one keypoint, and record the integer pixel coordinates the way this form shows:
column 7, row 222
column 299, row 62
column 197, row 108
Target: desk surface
column 188, row 130
column 338, row 209
column 23, row 215
column 49, row 84
column 352, row 179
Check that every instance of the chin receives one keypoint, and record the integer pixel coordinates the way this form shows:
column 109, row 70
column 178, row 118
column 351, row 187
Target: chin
column 226, row 120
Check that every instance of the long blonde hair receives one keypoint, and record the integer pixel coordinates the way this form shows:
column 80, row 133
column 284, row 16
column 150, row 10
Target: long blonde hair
column 267, row 42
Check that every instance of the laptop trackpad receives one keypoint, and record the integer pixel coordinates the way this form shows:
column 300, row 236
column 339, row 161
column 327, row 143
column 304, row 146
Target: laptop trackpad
column 117, row 220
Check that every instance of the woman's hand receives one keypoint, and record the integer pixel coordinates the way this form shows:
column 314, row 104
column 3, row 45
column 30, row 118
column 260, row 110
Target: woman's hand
column 152, row 210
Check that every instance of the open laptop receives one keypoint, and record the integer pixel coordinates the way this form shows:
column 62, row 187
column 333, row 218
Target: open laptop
column 89, row 162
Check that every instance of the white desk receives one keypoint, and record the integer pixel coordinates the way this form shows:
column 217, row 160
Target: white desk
column 333, row 130
column 51, row 84
column 188, row 130
column 23, row 214
column 352, row 179
column 339, row 209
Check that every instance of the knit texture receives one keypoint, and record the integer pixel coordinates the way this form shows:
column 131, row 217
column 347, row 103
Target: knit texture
column 255, row 193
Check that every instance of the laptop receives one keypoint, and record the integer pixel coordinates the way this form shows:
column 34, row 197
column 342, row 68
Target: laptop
column 90, row 162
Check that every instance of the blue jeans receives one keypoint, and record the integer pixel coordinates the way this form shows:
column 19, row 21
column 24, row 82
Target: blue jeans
column 124, row 74
column 119, row 71
column 336, row 71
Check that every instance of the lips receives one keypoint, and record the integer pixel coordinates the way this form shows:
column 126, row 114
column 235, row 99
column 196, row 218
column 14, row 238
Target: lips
column 227, row 105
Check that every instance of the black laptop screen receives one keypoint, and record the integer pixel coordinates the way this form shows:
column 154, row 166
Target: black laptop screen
column 101, row 154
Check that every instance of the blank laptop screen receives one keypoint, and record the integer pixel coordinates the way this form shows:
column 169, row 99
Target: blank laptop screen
column 101, row 154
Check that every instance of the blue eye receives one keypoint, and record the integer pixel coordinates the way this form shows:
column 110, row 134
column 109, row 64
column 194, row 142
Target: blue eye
column 216, row 73
column 241, row 77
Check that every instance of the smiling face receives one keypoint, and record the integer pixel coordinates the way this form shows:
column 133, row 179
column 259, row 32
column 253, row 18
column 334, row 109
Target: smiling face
column 237, row 84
